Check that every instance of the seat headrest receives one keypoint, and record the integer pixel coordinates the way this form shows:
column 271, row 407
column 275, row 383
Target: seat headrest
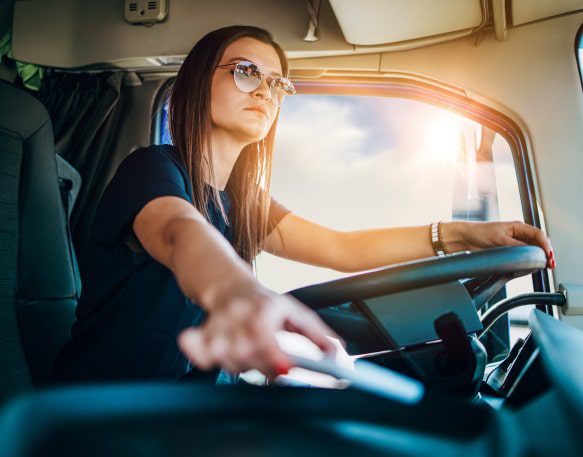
column 25, row 114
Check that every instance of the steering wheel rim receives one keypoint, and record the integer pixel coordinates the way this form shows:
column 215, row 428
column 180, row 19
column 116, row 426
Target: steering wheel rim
column 503, row 262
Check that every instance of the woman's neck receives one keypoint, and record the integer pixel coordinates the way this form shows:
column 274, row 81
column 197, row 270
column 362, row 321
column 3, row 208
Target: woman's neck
column 226, row 150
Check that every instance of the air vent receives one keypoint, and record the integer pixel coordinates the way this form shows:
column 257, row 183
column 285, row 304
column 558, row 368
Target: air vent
column 147, row 12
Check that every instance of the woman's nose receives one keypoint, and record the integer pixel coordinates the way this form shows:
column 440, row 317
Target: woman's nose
column 263, row 91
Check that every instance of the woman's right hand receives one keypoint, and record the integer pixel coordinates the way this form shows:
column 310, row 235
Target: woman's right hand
column 243, row 317
column 239, row 333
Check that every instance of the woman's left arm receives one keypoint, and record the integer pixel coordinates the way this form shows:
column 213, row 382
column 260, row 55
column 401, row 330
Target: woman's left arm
column 298, row 239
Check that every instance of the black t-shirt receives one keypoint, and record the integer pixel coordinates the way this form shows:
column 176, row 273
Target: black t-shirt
column 131, row 308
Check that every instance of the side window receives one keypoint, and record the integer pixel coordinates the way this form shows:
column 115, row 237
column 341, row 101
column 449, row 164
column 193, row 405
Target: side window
column 162, row 129
column 356, row 162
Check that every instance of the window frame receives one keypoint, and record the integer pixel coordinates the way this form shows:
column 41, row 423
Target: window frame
column 578, row 46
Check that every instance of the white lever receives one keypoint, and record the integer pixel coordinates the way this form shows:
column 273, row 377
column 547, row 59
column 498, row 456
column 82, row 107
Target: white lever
column 368, row 377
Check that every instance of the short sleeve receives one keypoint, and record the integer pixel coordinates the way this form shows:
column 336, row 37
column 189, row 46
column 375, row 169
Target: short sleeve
column 276, row 213
column 146, row 174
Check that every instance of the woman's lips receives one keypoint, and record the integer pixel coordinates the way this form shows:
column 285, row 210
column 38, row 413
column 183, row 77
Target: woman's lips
column 257, row 110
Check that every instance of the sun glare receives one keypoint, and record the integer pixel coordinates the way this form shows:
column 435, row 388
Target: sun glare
column 442, row 141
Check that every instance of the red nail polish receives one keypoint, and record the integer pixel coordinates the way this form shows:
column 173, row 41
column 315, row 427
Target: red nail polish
column 281, row 368
column 552, row 254
column 553, row 263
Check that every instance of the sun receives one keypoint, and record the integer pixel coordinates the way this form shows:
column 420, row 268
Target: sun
column 442, row 141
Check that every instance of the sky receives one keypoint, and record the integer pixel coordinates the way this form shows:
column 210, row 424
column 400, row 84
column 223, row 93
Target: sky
column 354, row 163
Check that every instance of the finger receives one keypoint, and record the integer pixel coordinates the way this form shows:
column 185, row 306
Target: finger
column 532, row 235
column 191, row 343
column 313, row 328
column 509, row 241
column 218, row 352
column 274, row 361
column 552, row 263
column 234, row 353
column 538, row 238
column 270, row 359
column 243, row 352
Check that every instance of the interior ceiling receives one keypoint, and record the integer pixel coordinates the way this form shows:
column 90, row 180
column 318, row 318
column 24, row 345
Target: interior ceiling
column 69, row 34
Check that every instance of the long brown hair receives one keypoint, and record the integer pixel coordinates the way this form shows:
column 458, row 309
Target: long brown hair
column 189, row 117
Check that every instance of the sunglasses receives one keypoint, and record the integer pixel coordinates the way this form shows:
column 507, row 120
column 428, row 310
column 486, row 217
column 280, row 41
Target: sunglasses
column 248, row 78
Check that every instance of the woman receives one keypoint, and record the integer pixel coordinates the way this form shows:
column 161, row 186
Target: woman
column 178, row 226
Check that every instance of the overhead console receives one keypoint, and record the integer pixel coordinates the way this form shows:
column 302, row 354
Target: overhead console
column 72, row 34
column 85, row 35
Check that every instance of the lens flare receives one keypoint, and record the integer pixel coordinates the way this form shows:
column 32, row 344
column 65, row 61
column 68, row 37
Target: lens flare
column 443, row 142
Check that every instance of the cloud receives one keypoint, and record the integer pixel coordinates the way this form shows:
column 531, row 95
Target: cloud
column 339, row 171
column 354, row 163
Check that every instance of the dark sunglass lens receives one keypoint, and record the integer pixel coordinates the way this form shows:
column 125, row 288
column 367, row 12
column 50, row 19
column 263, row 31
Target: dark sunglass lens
column 247, row 77
column 284, row 85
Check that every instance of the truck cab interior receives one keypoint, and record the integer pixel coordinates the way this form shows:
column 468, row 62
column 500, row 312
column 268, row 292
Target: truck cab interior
column 405, row 112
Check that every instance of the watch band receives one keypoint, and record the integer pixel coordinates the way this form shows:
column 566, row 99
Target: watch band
column 436, row 240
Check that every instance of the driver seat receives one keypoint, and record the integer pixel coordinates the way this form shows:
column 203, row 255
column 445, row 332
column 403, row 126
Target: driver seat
column 39, row 276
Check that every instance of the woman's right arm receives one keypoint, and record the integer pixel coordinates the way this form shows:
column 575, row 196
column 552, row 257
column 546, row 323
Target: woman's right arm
column 243, row 316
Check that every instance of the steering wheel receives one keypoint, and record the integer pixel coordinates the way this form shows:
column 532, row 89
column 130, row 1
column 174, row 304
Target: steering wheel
column 484, row 268
column 485, row 272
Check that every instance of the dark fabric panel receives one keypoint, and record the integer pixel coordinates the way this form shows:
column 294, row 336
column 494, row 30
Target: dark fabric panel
column 14, row 376
column 85, row 110
column 45, row 326
column 45, row 262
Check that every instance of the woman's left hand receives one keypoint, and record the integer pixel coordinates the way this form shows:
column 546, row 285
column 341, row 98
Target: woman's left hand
column 461, row 236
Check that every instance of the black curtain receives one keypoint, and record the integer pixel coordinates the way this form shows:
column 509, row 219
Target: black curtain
column 85, row 110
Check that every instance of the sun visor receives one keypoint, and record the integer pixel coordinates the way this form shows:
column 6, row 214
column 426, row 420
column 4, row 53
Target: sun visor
column 375, row 22
column 524, row 11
